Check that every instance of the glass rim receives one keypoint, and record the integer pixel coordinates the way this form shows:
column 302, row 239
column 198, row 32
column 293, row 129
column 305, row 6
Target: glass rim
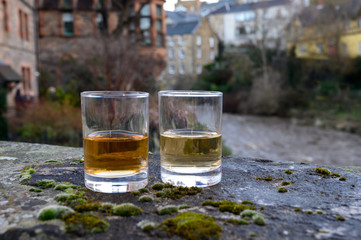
column 189, row 93
column 114, row 94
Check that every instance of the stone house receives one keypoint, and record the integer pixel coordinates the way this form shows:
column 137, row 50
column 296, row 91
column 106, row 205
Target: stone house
column 191, row 44
column 18, row 62
column 67, row 28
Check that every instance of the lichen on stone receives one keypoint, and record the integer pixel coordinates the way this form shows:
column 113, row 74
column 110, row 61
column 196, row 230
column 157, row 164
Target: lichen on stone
column 82, row 224
column 147, row 226
column 35, row 190
column 53, row 212
column 169, row 209
column 288, row 171
column 127, row 210
column 144, row 199
column 282, row 190
column 228, row 206
column 192, row 226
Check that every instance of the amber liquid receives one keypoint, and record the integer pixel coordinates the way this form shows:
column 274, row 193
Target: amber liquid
column 115, row 154
column 187, row 151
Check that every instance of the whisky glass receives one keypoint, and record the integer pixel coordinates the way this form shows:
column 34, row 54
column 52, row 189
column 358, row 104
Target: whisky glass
column 190, row 125
column 115, row 138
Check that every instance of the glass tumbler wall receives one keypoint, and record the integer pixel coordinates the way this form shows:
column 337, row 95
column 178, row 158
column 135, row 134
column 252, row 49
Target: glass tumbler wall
column 115, row 134
column 190, row 124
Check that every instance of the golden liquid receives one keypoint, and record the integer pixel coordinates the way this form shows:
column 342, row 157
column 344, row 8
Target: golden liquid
column 189, row 151
column 115, row 154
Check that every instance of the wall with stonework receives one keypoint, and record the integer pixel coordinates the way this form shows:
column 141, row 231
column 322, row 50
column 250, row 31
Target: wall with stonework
column 18, row 52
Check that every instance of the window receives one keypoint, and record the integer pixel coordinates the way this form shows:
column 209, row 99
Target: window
column 211, row 55
column 23, row 25
column 170, row 41
column 145, row 24
column 301, row 50
column 159, row 40
column 68, row 24
column 68, row 4
column 5, row 16
column 199, row 53
column 25, row 73
column 170, row 53
column 180, row 40
column 241, row 31
column 319, row 48
column 159, row 10
column 359, row 48
column 199, row 69
column 171, row 69
column 344, row 49
column 347, row 25
column 199, row 40
column 100, row 22
column 181, row 69
column 211, row 42
column 181, row 53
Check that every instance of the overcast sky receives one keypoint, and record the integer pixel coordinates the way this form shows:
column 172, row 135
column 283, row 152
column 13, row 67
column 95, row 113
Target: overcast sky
column 169, row 4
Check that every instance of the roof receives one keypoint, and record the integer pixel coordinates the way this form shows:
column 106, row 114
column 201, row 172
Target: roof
column 7, row 74
column 182, row 16
column 329, row 13
column 182, row 28
column 234, row 8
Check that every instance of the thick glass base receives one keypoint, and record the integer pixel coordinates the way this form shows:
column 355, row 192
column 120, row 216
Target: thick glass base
column 116, row 184
column 203, row 179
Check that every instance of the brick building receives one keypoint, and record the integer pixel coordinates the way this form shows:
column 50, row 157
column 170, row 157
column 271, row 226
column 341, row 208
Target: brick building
column 18, row 67
column 69, row 27
column 191, row 44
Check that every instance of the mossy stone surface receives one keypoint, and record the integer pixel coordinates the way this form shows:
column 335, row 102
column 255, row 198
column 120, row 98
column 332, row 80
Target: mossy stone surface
column 19, row 207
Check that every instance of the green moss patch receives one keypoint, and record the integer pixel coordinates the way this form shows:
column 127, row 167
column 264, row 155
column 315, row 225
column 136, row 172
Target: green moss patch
column 173, row 192
column 181, row 207
column 237, row 221
column 339, row 218
column 255, row 216
column 143, row 190
column 52, row 161
column 309, row 212
column 82, row 224
column 72, row 200
column 53, row 212
column 192, row 226
column 88, row 207
column 228, row 206
column 44, row 184
column 285, row 183
column 145, row 199
column 342, row 179
column 157, row 186
column 35, row 190
column 147, row 226
column 169, row 209
column 297, row 209
column 127, row 210
column 288, row 171
column 62, row 186
column 267, row 179
column 282, row 190
column 319, row 212
column 26, row 174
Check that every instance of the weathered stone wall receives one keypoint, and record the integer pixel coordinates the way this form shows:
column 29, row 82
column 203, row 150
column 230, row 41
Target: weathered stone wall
column 289, row 201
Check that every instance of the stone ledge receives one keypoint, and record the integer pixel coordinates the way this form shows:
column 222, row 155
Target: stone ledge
column 243, row 179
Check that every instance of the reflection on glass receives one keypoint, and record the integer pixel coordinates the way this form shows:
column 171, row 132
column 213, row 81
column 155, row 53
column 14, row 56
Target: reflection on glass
column 145, row 10
column 144, row 23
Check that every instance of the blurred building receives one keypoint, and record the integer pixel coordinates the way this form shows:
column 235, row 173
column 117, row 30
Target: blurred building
column 248, row 22
column 68, row 28
column 191, row 44
column 327, row 30
column 18, row 67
